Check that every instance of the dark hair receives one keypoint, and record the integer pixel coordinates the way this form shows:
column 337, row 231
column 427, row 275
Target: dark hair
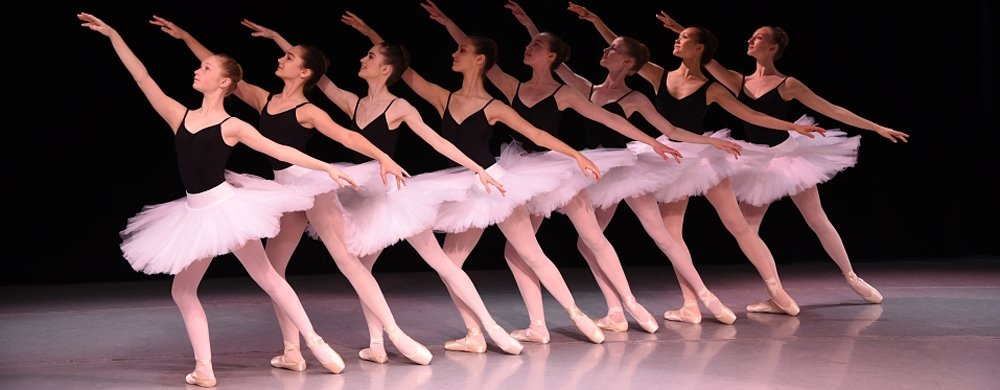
column 638, row 51
column 396, row 56
column 778, row 37
column 558, row 47
column 315, row 60
column 231, row 70
column 486, row 47
column 705, row 37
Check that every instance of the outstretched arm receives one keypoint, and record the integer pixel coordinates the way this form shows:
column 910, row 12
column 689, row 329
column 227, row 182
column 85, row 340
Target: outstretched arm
column 575, row 81
column 310, row 115
column 795, row 89
column 617, row 123
column 406, row 113
column 522, row 17
column 503, row 113
column 430, row 92
column 729, row 102
column 651, row 72
column 251, row 94
column 249, row 136
column 169, row 109
column 645, row 108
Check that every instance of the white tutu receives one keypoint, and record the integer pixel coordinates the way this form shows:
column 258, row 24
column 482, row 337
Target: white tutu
column 794, row 165
column 702, row 167
column 313, row 182
column 167, row 237
column 571, row 181
column 523, row 178
column 649, row 172
column 379, row 216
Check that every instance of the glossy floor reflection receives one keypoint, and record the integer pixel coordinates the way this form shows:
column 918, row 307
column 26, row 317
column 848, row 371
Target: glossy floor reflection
column 939, row 327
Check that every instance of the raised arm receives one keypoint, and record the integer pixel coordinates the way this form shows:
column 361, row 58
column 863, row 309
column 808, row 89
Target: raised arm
column 795, row 89
column 353, row 20
column 575, row 81
column 168, row 108
column 248, row 135
column 402, row 111
column 312, row 116
column 651, row 72
column 644, row 107
column 503, row 113
column 522, row 17
column 730, row 79
column 718, row 94
column 617, row 123
column 251, row 94
column 438, row 16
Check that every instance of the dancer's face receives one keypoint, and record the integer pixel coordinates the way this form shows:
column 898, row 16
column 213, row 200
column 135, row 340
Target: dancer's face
column 290, row 65
column 761, row 43
column 538, row 51
column 616, row 56
column 465, row 58
column 685, row 46
column 209, row 76
column 373, row 64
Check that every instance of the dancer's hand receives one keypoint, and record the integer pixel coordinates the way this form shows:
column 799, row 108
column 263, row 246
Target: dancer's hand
column 669, row 23
column 93, row 23
column 582, row 12
column 488, row 181
column 892, row 135
column 168, row 27
column 386, row 167
column 588, row 167
column 666, row 151
column 353, row 20
column 340, row 177
column 727, row 146
column 518, row 12
column 807, row 130
column 435, row 13
column 260, row 31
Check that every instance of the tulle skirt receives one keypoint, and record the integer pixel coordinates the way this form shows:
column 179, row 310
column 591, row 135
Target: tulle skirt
column 649, row 172
column 570, row 179
column 794, row 165
column 523, row 178
column 379, row 216
column 702, row 167
column 167, row 237
column 313, row 182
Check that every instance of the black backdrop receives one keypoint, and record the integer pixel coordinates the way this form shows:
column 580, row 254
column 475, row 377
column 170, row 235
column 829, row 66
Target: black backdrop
column 85, row 150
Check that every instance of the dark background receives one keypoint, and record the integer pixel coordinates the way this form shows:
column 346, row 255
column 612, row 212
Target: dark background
column 85, row 150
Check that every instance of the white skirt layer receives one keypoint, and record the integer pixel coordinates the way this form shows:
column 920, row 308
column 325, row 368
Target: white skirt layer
column 794, row 165
column 379, row 216
column 167, row 237
column 523, row 178
column 315, row 182
column 649, row 172
column 702, row 167
column 571, row 181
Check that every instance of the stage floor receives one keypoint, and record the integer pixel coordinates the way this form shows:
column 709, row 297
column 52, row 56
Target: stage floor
column 939, row 327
